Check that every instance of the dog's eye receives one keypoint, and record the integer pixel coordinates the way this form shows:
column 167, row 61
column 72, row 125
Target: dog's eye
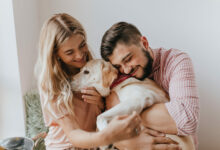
column 86, row 72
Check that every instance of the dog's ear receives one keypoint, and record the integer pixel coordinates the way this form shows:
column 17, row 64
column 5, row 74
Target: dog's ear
column 107, row 75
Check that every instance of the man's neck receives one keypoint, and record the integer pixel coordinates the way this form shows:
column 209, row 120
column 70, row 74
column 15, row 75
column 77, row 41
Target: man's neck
column 151, row 52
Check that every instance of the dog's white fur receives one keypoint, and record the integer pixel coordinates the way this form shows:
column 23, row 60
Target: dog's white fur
column 134, row 95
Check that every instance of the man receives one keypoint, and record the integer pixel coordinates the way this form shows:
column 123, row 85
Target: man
column 129, row 52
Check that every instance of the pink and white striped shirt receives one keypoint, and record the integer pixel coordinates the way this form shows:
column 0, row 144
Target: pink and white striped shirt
column 173, row 71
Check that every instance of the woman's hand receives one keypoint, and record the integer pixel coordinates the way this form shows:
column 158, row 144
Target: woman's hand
column 92, row 96
column 122, row 127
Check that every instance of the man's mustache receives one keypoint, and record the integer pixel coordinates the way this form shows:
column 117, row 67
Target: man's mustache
column 133, row 69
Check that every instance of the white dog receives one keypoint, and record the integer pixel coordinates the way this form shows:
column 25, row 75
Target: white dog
column 134, row 95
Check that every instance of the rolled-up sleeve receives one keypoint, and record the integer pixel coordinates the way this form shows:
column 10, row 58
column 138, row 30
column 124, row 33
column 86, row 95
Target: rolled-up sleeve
column 184, row 101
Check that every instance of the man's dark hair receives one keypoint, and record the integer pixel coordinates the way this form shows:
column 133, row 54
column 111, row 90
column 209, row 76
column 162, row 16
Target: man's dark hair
column 121, row 32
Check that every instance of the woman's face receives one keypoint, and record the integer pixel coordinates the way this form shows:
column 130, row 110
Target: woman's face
column 74, row 52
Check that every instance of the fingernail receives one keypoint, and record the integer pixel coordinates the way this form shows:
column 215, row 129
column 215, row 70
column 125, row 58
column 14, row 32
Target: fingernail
column 161, row 134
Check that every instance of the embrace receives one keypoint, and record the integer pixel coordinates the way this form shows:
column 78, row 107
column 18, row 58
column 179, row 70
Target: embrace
column 71, row 116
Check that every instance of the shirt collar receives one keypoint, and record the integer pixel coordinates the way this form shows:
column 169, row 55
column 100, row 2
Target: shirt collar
column 156, row 61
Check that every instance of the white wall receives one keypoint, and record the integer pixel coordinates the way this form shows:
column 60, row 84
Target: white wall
column 11, row 106
column 26, row 16
column 191, row 26
column 19, row 30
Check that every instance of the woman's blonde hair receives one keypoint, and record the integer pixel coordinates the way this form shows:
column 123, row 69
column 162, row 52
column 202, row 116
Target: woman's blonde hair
column 53, row 79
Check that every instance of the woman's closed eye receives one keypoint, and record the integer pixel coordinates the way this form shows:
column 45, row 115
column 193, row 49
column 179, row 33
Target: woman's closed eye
column 69, row 52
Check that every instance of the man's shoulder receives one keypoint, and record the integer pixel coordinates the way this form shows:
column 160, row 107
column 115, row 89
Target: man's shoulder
column 169, row 54
column 172, row 51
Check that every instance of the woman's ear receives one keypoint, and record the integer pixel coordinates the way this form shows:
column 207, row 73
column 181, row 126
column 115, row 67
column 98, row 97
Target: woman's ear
column 144, row 41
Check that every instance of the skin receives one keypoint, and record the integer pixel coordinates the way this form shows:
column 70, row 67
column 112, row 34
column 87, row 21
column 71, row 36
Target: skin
column 130, row 59
column 73, row 53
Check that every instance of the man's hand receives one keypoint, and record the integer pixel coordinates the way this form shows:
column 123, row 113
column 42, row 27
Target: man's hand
column 153, row 132
column 146, row 141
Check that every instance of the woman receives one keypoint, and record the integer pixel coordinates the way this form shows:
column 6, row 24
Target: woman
column 71, row 120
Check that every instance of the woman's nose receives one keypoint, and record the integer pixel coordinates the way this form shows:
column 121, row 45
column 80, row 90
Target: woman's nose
column 78, row 55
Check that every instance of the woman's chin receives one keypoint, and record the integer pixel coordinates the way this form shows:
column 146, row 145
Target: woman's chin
column 80, row 65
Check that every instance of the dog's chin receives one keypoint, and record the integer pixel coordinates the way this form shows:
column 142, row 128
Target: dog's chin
column 103, row 91
column 74, row 87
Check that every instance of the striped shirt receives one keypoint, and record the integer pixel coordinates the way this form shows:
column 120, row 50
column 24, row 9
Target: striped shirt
column 173, row 71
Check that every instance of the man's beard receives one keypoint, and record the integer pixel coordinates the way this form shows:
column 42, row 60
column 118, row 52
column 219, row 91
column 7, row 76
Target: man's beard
column 148, row 67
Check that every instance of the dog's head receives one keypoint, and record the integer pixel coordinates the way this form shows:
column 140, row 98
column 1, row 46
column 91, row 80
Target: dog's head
column 96, row 73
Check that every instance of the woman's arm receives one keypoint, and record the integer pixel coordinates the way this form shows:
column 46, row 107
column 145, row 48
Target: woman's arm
column 119, row 128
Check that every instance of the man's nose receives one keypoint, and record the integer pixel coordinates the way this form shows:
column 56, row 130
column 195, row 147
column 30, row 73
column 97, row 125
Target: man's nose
column 126, row 69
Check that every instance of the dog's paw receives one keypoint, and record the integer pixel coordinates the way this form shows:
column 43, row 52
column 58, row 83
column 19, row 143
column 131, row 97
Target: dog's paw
column 101, row 122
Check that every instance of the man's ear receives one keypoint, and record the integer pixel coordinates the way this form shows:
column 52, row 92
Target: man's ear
column 144, row 41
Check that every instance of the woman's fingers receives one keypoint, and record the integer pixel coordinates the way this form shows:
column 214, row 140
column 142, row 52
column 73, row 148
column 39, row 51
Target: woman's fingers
column 96, row 100
column 91, row 97
column 134, row 119
column 166, row 146
column 91, row 101
column 133, row 122
column 90, row 92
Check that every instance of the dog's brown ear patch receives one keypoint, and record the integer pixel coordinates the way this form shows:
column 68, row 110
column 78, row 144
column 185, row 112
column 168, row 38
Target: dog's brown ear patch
column 107, row 75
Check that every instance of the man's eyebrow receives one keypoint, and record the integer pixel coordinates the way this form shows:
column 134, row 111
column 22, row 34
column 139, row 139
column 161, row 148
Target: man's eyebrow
column 129, row 54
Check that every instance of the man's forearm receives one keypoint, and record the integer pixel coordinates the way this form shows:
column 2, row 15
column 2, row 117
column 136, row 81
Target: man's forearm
column 158, row 118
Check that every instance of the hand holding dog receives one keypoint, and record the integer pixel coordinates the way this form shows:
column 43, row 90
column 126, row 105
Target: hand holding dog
column 123, row 127
column 92, row 96
column 148, row 139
